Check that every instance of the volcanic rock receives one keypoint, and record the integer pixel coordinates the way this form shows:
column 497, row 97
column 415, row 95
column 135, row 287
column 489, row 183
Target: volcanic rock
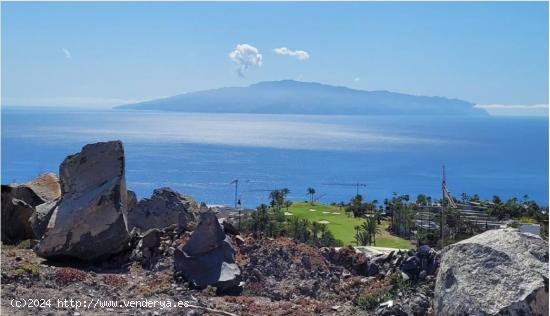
column 499, row 272
column 15, row 221
column 132, row 201
column 46, row 187
column 19, row 203
column 164, row 208
column 228, row 227
column 147, row 250
column 208, row 257
column 90, row 220
column 41, row 216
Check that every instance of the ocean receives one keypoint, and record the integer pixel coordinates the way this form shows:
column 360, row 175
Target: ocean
column 200, row 154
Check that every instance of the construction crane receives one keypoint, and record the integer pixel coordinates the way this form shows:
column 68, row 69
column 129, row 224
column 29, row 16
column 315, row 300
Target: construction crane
column 447, row 198
column 261, row 190
column 319, row 197
column 356, row 185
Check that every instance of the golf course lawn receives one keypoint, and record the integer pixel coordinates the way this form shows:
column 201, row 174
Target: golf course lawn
column 342, row 226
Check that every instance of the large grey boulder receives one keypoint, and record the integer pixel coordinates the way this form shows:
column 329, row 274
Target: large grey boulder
column 166, row 207
column 20, row 203
column 89, row 222
column 499, row 272
column 208, row 257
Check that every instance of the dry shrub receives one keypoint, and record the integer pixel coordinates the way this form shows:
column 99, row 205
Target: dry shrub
column 64, row 276
column 114, row 280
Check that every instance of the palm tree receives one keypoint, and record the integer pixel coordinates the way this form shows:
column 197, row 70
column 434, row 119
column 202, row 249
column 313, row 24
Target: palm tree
column 287, row 204
column 421, row 199
column 304, row 230
column 311, row 192
column 357, row 229
column 285, row 192
column 295, row 224
column 363, row 238
column 315, row 228
column 365, row 233
column 278, row 197
column 373, row 229
column 275, row 196
column 323, row 230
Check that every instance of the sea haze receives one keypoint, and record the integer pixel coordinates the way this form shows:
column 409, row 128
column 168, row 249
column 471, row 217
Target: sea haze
column 199, row 154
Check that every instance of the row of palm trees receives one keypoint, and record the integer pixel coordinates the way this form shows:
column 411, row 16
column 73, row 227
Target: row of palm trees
column 314, row 233
column 271, row 222
column 278, row 197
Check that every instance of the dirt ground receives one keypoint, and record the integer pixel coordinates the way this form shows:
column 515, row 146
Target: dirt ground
column 280, row 277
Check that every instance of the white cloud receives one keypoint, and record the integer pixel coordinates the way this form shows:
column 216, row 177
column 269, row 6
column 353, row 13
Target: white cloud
column 67, row 53
column 246, row 56
column 300, row 54
column 356, row 79
column 515, row 109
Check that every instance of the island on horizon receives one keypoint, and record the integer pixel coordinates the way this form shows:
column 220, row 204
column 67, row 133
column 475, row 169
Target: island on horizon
column 298, row 97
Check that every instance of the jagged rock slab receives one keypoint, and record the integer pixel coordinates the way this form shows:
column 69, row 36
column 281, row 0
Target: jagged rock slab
column 208, row 236
column 208, row 257
column 147, row 250
column 90, row 220
column 46, row 186
column 41, row 216
column 19, row 205
column 165, row 207
column 499, row 272
column 132, row 201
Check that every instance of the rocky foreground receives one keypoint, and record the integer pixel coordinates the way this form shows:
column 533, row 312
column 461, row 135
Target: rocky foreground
column 95, row 244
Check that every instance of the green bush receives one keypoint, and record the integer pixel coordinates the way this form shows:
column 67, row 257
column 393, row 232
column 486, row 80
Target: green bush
column 397, row 281
column 328, row 240
column 370, row 300
column 28, row 268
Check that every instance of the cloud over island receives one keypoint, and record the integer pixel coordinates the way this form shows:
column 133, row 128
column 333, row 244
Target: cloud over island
column 299, row 54
column 245, row 56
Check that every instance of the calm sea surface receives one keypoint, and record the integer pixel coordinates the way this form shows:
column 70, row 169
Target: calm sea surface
column 199, row 154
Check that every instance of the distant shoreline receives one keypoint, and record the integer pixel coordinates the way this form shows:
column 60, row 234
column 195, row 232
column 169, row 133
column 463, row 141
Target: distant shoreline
column 114, row 108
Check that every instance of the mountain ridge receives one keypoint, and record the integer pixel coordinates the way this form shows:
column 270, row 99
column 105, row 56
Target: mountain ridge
column 298, row 97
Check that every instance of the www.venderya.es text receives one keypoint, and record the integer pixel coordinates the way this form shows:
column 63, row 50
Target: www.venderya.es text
column 97, row 303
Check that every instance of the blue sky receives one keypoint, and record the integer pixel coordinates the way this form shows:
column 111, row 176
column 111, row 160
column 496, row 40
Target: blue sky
column 103, row 54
